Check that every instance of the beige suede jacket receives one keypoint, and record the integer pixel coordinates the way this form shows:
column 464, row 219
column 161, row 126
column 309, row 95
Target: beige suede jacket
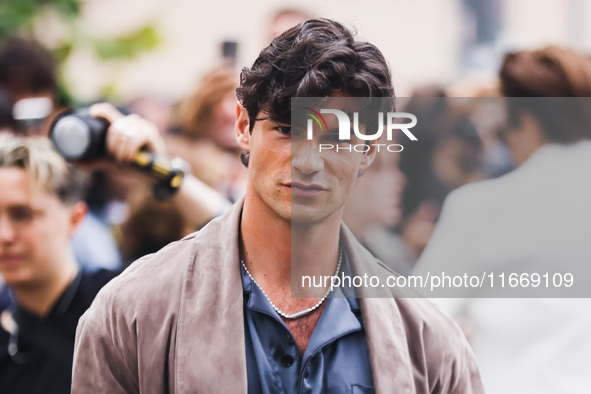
column 173, row 323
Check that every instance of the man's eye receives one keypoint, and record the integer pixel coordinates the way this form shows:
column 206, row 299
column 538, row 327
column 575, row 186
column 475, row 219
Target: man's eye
column 285, row 130
column 21, row 214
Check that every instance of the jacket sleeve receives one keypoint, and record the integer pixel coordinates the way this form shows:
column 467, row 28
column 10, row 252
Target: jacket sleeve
column 468, row 380
column 442, row 359
column 105, row 352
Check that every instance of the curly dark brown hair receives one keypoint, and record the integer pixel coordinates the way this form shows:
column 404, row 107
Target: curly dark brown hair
column 317, row 58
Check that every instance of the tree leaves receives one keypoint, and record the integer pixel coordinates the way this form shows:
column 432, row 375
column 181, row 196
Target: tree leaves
column 18, row 18
column 129, row 46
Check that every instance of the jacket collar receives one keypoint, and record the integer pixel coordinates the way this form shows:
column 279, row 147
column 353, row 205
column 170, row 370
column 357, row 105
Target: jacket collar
column 212, row 305
column 386, row 337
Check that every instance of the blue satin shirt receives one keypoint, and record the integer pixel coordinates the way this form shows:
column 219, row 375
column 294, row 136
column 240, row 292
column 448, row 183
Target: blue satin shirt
column 336, row 360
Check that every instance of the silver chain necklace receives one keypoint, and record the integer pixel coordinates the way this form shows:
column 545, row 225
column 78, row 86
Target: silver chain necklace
column 305, row 311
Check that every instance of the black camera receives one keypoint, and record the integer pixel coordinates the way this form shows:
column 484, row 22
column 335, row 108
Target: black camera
column 77, row 136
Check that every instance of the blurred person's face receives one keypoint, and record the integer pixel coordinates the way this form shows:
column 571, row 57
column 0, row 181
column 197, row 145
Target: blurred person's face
column 377, row 196
column 120, row 184
column 222, row 121
column 157, row 112
column 289, row 175
column 447, row 163
column 35, row 228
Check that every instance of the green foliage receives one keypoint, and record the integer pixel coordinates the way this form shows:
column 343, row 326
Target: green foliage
column 62, row 52
column 18, row 18
column 15, row 16
column 129, row 46
column 69, row 8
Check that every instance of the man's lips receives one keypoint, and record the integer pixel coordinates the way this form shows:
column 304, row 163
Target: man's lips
column 304, row 189
column 10, row 259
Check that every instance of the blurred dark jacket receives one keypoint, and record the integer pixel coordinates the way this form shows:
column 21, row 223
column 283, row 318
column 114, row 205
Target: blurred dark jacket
column 37, row 358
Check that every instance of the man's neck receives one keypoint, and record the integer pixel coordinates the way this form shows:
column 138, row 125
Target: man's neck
column 39, row 298
column 265, row 242
column 273, row 249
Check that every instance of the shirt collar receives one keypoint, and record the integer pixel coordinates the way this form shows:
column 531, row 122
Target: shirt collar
column 256, row 300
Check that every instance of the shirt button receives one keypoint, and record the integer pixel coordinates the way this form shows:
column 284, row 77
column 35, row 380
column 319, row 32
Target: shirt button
column 287, row 360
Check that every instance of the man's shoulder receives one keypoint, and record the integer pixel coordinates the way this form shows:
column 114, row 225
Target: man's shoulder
column 439, row 347
column 424, row 321
column 425, row 318
column 154, row 283
column 151, row 283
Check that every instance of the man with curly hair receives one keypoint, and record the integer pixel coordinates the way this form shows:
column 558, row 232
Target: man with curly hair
column 214, row 312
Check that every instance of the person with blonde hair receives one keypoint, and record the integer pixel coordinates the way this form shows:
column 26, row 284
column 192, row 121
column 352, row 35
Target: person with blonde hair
column 40, row 209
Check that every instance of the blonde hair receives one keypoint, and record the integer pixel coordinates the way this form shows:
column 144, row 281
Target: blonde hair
column 44, row 166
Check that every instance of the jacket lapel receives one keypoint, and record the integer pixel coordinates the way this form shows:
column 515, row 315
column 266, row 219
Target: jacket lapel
column 210, row 348
column 382, row 321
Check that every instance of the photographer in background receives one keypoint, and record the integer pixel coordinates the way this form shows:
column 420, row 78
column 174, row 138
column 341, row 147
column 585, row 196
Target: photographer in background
column 122, row 207
column 128, row 135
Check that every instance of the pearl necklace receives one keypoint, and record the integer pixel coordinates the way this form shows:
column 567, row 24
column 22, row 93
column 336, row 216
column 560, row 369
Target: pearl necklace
column 305, row 311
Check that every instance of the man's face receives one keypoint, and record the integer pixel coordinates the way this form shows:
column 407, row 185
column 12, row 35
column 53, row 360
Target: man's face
column 293, row 178
column 35, row 228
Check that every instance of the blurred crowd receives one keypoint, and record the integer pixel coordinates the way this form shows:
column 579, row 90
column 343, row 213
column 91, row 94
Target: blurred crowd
column 106, row 215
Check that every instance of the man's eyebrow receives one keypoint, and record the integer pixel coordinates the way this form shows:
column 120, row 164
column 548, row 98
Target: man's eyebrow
column 280, row 123
column 20, row 206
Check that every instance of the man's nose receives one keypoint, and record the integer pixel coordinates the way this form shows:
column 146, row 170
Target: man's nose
column 306, row 157
column 7, row 232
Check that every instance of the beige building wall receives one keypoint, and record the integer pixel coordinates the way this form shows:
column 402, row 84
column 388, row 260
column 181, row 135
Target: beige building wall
column 533, row 23
column 420, row 38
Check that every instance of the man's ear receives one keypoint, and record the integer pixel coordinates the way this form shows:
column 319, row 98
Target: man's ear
column 368, row 157
column 242, row 128
column 77, row 213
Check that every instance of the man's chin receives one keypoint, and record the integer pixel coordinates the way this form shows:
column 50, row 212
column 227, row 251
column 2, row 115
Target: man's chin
column 307, row 216
column 16, row 279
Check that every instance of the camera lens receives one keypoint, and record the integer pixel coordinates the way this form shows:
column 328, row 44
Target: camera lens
column 71, row 137
column 78, row 136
